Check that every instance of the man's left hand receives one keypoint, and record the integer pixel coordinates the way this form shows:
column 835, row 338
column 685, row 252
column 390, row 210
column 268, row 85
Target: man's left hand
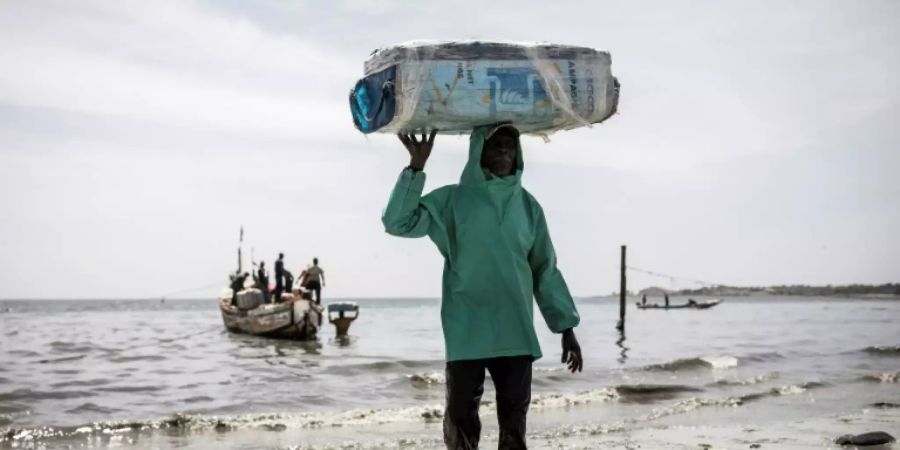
column 571, row 351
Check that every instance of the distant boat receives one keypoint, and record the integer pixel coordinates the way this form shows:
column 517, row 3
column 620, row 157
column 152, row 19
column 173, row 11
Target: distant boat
column 295, row 316
column 292, row 318
column 689, row 305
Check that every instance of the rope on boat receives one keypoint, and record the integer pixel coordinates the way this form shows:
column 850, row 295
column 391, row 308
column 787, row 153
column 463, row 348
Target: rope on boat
column 674, row 278
column 218, row 283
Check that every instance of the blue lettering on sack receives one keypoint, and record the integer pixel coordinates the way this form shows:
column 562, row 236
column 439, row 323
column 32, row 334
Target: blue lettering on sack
column 573, row 82
column 589, row 79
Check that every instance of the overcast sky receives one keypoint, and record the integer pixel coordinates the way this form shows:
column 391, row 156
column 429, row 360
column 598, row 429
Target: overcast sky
column 756, row 143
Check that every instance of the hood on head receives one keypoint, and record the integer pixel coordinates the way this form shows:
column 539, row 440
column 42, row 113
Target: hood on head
column 473, row 173
column 502, row 126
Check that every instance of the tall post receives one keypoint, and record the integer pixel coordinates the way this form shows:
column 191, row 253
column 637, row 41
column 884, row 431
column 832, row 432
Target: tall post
column 622, row 290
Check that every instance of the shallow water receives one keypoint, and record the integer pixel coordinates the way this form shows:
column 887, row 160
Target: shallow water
column 150, row 374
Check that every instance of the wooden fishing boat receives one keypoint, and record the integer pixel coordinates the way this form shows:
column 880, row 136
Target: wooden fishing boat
column 695, row 305
column 292, row 318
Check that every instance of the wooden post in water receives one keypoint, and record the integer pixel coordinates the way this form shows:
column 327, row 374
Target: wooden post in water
column 622, row 289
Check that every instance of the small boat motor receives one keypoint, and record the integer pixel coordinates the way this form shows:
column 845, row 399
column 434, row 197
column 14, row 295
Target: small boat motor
column 338, row 315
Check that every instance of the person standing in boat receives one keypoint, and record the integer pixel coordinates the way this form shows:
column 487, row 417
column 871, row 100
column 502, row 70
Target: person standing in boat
column 498, row 259
column 237, row 284
column 279, row 277
column 262, row 281
column 667, row 300
column 315, row 280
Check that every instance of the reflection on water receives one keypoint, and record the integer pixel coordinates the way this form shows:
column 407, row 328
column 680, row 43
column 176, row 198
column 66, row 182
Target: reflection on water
column 310, row 347
column 281, row 347
column 341, row 341
column 623, row 350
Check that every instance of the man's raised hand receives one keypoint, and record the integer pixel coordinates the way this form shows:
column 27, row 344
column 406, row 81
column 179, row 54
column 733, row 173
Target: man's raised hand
column 419, row 150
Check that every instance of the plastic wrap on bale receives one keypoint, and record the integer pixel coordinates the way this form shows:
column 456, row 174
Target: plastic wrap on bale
column 456, row 86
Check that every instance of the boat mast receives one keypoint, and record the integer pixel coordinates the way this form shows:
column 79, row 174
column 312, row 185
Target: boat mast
column 240, row 243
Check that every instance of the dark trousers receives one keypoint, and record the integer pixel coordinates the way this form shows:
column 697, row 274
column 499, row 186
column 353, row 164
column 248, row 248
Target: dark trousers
column 279, row 288
column 465, row 384
column 316, row 288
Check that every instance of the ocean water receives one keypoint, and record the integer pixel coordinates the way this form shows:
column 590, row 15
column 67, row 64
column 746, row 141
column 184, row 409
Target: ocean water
column 779, row 372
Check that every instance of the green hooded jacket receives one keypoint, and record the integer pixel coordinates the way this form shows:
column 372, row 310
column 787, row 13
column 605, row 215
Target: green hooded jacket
column 497, row 257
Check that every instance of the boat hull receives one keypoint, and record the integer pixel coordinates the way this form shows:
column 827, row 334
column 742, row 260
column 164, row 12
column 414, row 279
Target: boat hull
column 703, row 305
column 296, row 319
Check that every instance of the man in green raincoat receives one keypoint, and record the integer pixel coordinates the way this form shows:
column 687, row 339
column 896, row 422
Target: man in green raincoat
column 497, row 258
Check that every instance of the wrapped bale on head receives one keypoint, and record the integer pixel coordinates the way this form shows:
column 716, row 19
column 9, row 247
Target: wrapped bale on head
column 456, row 86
